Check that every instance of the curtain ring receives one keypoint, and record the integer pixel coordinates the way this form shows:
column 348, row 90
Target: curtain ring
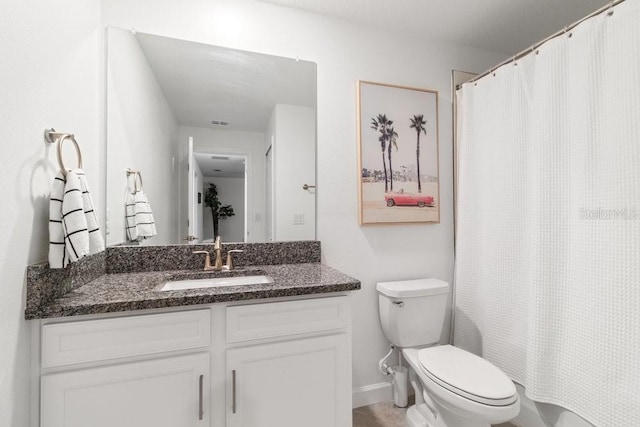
column 61, row 139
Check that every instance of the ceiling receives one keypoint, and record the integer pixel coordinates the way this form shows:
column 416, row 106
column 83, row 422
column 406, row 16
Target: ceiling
column 203, row 83
column 504, row 26
column 221, row 165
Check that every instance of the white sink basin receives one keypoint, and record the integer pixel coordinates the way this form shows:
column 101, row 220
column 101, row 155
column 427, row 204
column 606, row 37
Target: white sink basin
column 215, row 282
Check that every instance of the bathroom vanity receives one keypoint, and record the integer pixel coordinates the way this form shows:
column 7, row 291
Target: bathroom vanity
column 280, row 363
column 116, row 351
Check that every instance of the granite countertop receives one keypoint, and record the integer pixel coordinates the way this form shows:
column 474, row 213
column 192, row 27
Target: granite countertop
column 117, row 292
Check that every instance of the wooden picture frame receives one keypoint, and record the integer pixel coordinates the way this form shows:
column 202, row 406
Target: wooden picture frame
column 398, row 167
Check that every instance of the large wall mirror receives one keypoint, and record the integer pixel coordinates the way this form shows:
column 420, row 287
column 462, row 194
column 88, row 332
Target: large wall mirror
column 182, row 116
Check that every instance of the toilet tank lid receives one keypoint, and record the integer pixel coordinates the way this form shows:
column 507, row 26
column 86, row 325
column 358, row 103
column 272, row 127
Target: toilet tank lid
column 413, row 288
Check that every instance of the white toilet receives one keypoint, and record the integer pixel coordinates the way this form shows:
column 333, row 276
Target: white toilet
column 455, row 388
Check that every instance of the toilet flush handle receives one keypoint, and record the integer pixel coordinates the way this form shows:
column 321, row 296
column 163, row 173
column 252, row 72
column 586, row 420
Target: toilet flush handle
column 399, row 303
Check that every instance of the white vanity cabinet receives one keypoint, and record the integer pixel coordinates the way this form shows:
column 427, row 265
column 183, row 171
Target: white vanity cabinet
column 125, row 372
column 293, row 383
column 294, row 367
column 261, row 363
column 167, row 392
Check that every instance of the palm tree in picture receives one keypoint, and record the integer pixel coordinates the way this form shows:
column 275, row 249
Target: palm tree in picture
column 381, row 124
column 418, row 123
column 392, row 138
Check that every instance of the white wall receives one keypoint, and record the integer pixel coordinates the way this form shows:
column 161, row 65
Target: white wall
column 250, row 144
column 269, row 177
column 345, row 52
column 49, row 77
column 142, row 134
column 293, row 129
column 230, row 192
column 198, row 208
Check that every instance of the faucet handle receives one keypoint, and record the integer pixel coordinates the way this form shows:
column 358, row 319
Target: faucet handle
column 230, row 253
column 207, row 259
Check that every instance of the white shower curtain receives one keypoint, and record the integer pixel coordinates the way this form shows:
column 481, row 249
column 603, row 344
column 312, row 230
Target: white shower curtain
column 548, row 229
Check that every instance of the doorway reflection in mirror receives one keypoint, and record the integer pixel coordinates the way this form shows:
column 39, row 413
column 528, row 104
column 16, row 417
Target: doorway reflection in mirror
column 163, row 93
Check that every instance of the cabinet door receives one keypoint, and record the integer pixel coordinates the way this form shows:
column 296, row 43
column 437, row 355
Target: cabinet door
column 167, row 392
column 305, row 382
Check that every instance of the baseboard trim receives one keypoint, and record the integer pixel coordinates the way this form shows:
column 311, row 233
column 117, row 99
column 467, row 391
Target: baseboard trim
column 373, row 393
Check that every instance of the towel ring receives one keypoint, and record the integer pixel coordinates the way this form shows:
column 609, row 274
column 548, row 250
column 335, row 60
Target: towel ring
column 51, row 136
column 78, row 153
column 136, row 176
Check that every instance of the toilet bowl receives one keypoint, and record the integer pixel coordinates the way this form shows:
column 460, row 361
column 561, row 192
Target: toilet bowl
column 454, row 388
column 463, row 389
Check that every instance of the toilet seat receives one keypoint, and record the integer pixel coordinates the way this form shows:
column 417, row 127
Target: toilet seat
column 467, row 375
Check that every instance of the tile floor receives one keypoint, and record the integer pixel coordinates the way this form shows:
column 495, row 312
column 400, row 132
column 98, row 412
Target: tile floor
column 385, row 415
column 380, row 415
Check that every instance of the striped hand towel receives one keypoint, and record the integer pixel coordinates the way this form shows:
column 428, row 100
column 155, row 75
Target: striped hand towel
column 73, row 224
column 140, row 222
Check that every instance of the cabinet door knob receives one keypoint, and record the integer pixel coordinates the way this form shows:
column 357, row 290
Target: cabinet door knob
column 233, row 391
column 200, row 399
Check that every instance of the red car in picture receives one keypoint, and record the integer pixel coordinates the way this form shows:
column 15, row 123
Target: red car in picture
column 408, row 199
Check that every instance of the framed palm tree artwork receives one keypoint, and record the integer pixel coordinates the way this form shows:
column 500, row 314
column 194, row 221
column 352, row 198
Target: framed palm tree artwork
column 397, row 154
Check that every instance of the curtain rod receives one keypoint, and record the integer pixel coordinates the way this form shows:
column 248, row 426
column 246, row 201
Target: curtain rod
column 532, row 48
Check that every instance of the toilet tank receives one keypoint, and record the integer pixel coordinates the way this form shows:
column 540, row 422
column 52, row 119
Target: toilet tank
column 412, row 312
